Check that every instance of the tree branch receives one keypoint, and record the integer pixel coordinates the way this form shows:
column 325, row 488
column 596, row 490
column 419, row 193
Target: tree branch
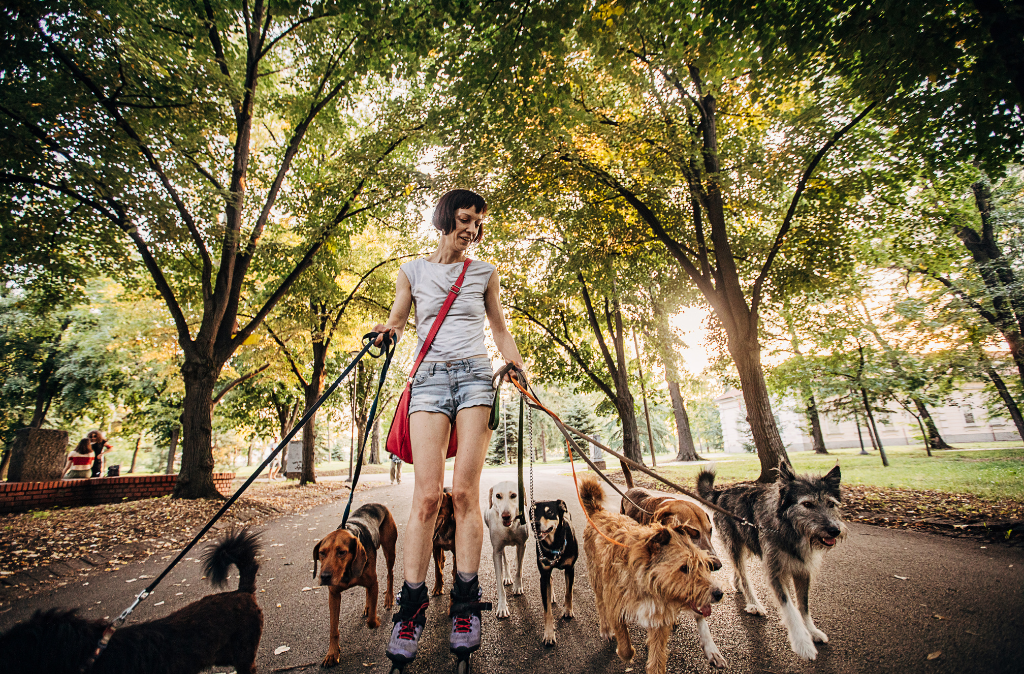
column 755, row 295
column 216, row 398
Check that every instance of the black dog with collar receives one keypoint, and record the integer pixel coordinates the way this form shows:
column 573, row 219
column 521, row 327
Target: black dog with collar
column 556, row 549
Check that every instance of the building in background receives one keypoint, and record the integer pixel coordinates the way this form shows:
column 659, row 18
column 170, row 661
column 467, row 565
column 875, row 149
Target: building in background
column 963, row 420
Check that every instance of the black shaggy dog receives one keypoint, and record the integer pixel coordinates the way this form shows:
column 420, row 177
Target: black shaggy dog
column 220, row 629
column 798, row 520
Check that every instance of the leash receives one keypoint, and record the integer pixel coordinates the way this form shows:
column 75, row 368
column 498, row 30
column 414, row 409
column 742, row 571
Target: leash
column 567, row 430
column 368, row 340
column 388, row 354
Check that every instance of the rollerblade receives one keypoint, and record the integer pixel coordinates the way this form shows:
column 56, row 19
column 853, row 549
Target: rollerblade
column 465, row 614
column 409, row 620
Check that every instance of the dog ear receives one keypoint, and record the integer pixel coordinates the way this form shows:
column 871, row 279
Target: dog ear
column 660, row 539
column 832, row 478
column 561, row 504
column 490, row 498
column 358, row 563
column 316, row 556
column 786, row 473
column 688, row 531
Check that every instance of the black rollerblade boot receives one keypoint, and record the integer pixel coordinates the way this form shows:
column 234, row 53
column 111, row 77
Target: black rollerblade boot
column 409, row 620
column 465, row 615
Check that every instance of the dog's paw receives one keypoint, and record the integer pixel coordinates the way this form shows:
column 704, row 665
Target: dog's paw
column 755, row 609
column 502, row 611
column 549, row 637
column 568, row 614
column 437, row 591
column 716, row 659
column 517, row 589
column 373, row 622
column 817, row 635
column 606, row 634
column 625, row 652
column 331, row 660
column 804, row 649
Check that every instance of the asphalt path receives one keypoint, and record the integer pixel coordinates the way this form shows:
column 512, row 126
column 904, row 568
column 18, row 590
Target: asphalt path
column 887, row 599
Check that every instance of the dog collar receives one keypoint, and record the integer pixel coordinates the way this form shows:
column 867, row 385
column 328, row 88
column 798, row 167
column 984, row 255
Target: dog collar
column 555, row 554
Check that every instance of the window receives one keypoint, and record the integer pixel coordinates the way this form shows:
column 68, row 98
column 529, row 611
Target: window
column 968, row 413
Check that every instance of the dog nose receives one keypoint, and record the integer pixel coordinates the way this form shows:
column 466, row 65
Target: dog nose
column 716, row 595
column 832, row 531
column 325, row 579
column 716, row 564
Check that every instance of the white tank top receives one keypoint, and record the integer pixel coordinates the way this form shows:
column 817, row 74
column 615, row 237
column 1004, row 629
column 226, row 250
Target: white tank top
column 462, row 332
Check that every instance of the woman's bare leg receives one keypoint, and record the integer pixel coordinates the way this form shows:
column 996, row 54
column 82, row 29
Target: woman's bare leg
column 429, row 432
column 471, row 424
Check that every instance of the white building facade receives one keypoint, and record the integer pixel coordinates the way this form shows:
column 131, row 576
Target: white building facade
column 962, row 420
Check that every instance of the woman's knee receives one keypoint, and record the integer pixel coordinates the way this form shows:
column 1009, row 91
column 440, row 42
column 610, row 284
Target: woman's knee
column 425, row 504
column 465, row 500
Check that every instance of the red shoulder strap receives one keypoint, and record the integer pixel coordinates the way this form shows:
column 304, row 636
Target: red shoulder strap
column 452, row 293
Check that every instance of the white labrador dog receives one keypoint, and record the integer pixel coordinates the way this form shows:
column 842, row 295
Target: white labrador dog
column 503, row 506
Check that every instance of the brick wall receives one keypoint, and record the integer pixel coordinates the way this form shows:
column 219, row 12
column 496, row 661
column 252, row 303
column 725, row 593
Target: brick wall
column 24, row 496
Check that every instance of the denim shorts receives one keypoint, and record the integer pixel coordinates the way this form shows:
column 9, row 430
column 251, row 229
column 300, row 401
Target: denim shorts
column 451, row 386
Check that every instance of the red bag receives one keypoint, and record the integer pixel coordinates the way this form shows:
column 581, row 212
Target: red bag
column 398, row 435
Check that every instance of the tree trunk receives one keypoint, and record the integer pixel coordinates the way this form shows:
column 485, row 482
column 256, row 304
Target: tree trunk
column 860, row 435
column 195, row 478
column 687, row 452
column 817, row 439
column 874, row 428
column 924, row 437
column 135, row 454
column 1008, row 401
column 933, row 439
column 375, row 442
column 770, row 450
column 175, row 433
column 544, row 445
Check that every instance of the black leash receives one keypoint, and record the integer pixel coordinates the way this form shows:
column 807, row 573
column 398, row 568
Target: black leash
column 368, row 344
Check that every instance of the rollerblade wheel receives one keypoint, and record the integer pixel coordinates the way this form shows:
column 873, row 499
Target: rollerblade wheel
column 463, row 666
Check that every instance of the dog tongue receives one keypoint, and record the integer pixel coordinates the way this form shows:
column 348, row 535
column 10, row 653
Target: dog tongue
column 705, row 610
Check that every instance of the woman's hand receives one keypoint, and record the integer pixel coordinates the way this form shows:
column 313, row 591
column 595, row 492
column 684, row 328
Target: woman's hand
column 382, row 330
column 519, row 365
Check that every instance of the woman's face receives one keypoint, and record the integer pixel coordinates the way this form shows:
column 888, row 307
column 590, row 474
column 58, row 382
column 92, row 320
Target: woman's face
column 93, row 437
column 467, row 226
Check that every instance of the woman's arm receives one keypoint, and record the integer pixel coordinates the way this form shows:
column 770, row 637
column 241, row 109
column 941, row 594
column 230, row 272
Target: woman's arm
column 496, row 318
column 400, row 309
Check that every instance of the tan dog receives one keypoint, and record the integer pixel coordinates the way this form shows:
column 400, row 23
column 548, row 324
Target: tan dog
column 444, row 539
column 348, row 557
column 646, row 576
column 670, row 511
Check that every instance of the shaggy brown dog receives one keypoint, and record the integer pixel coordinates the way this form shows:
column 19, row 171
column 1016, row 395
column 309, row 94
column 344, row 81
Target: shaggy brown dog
column 222, row 629
column 348, row 557
column 647, row 575
column 670, row 511
column 444, row 539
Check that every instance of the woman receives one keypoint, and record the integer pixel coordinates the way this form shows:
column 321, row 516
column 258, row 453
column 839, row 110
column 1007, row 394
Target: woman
column 452, row 384
column 99, row 447
column 76, row 467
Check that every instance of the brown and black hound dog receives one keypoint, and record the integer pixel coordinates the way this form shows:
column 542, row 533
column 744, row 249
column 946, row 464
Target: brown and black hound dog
column 348, row 557
column 444, row 539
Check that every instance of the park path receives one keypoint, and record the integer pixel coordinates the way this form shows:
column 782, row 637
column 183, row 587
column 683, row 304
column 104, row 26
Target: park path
column 886, row 598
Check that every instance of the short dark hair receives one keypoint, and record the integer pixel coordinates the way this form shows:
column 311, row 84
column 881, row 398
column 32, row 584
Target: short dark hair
column 452, row 201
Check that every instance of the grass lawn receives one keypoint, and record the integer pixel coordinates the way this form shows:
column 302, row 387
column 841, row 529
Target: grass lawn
column 990, row 474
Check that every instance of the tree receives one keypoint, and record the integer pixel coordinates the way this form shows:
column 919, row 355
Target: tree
column 175, row 127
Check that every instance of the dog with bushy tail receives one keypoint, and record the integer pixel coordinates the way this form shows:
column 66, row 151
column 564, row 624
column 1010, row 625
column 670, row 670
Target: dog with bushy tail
column 798, row 519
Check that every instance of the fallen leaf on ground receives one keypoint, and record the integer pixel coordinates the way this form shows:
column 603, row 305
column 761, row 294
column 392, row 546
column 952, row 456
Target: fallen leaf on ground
column 281, row 649
column 901, row 577
column 932, row 656
column 306, row 589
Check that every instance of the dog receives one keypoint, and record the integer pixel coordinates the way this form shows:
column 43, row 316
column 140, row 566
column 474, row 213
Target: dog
column 221, row 629
column 503, row 507
column 556, row 549
column 798, row 521
column 348, row 557
column 643, row 574
column 668, row 510
column 444, row 539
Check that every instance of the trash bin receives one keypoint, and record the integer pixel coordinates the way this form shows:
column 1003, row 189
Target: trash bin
column 114, row 471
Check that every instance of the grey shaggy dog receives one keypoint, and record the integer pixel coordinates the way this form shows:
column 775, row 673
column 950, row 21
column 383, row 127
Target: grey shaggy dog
column 798, row 520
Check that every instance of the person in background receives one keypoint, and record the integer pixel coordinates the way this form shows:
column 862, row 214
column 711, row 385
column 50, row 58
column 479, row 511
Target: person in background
column 275, row 465
column 396, row 469
column 100, row 448
column 77, row 465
